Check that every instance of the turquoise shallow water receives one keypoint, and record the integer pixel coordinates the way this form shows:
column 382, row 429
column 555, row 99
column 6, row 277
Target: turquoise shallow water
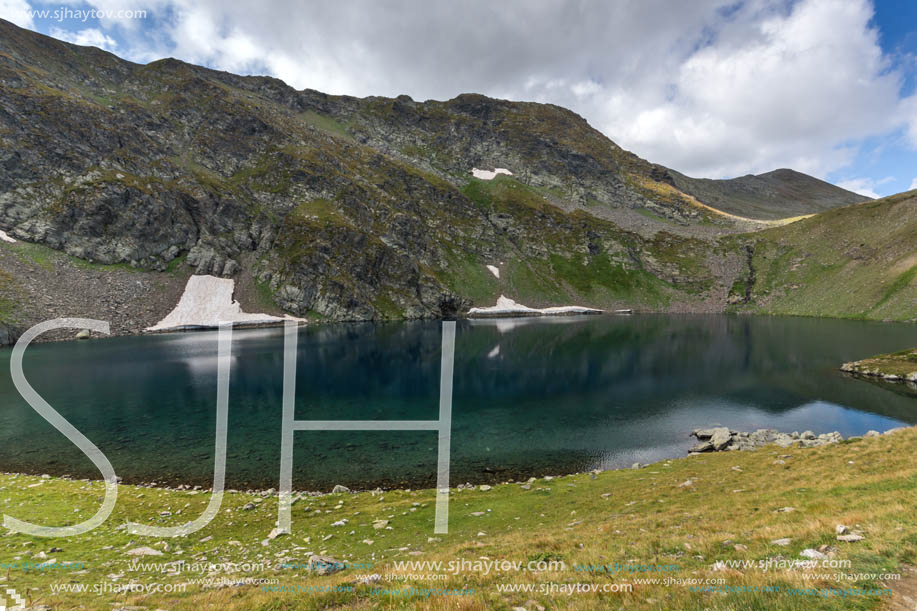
column 531, row 396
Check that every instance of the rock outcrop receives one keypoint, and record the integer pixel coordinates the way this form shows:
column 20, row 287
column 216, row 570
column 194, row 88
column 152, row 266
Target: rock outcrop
column 897, row 367
column 721, row 438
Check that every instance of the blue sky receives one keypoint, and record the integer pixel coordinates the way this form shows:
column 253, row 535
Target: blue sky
column 712, row 88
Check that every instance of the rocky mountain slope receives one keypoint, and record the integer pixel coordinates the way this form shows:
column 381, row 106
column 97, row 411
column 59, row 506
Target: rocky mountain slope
column 337, row 207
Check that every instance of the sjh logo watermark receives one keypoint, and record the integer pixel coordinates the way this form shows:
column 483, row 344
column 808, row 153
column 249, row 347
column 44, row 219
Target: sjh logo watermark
column 290, row 425
column 18, row 602
column 65, row 13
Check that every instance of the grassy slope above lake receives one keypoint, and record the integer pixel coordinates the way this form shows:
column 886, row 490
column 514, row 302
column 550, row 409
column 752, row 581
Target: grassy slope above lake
column 733, row 509
column 859, row 261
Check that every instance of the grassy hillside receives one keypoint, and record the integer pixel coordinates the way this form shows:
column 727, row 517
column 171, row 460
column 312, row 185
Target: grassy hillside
column 779, row 194
column 689, row 513
column 859, row 261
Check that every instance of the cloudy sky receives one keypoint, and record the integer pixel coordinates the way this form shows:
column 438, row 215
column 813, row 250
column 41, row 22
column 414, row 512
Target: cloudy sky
column 711, row 88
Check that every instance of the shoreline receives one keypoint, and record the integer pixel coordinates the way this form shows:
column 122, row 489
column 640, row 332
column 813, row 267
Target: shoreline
column 696, row 513
column 71, row 337
column 739, row 439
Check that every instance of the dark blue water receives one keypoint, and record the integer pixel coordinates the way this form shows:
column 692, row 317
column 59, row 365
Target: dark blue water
column 532, row 396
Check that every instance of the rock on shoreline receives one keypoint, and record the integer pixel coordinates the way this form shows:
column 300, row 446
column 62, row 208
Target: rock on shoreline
column 719, row 439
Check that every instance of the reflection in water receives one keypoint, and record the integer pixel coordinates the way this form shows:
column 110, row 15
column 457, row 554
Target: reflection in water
column 532, row 396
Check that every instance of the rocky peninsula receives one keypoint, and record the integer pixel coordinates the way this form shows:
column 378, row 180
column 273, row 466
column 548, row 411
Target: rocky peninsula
column 720, row 439
column 894, row 367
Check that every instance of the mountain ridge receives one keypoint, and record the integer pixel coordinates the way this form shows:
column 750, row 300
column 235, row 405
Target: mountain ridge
column 338, row 207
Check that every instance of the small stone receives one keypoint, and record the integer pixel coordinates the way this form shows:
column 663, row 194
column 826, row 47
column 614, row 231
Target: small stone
column 380, row 524
column 144, row 551
column 782, row 542
column 851, row 537
column 339, row 489
column 840, row 529
column 814, row 554
column 325, row 565
column 484, row 488
column 248, row 506
column 276, row 533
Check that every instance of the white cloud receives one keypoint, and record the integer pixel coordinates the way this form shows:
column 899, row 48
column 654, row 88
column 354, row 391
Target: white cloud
column 863, row 186
column 710, row 87
column 785, row 90
column 17, row 11
column 913, row 185
column 89, row 37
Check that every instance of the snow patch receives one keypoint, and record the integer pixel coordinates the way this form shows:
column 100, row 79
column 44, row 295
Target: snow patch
column 507, row 307
column 494, row 353
column 494, row 270
column 6, row 238
column 206, row 302
column 488, row 175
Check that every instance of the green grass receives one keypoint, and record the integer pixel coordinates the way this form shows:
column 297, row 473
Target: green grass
column 325, row 124
column 598, row 277
column 318, row 211
column 852, row 262
column 269, row 174
column 175, row 264
column 387, row 307
column 532, row 283
column 467, row 275
column 40, row 255
column 10, row 307
column 504, row 194
column 264, row 293
column 902, row 364
column 652, row 215
column 900, row 283
column 644, row 516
